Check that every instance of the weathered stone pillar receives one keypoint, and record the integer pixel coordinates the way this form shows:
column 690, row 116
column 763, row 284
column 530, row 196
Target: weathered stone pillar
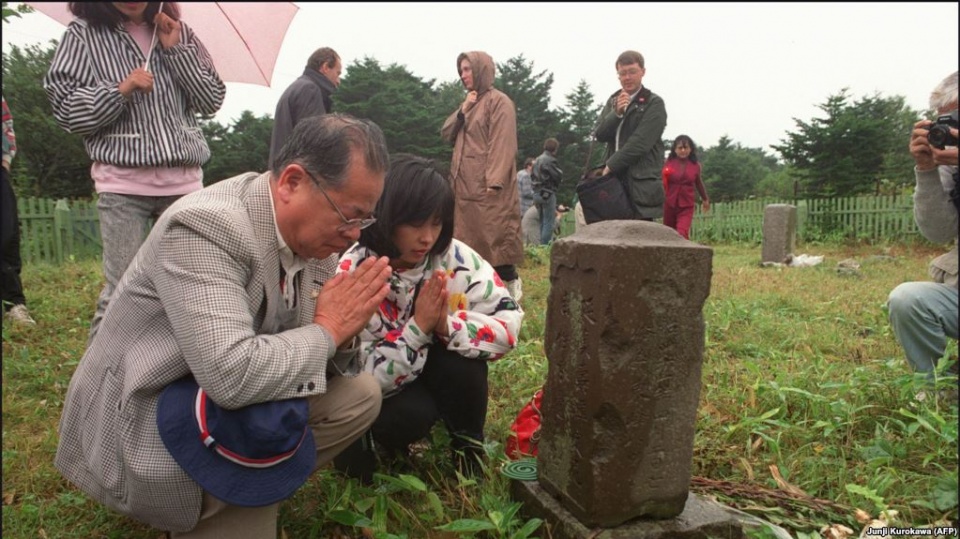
column 779, row 232
column 624, row 341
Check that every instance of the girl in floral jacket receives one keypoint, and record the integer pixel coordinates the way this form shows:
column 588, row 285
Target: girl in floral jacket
column 446, row 316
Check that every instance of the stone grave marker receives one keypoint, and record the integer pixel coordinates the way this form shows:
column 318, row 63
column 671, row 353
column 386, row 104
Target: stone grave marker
column 624, row 340
column 779, row 232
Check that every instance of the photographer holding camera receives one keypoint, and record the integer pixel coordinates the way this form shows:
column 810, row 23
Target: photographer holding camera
column 924, row 314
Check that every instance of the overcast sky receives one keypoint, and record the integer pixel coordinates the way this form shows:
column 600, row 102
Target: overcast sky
column 741, row 70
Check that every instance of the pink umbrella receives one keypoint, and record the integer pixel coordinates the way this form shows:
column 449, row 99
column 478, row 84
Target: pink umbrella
column 243, row 38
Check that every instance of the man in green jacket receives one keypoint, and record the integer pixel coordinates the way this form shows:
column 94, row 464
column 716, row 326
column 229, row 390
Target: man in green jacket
column 632, row 124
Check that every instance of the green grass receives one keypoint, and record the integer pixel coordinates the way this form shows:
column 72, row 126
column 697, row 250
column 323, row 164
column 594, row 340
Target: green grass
column 801, row 372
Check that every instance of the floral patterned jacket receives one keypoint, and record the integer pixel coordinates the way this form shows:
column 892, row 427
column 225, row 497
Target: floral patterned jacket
column 483, row 320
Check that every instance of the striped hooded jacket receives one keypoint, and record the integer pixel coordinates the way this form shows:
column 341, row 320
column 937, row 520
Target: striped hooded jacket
column 156, row 129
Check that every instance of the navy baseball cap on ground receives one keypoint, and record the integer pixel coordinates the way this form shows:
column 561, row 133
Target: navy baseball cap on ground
column 250, row 457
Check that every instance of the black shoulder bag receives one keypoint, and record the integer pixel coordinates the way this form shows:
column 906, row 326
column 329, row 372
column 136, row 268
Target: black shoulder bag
column 604, row 197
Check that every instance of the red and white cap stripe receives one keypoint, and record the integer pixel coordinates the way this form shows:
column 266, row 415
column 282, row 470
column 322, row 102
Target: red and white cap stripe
column 208, row 440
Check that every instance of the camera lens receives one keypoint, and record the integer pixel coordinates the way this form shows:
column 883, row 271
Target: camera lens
column 937, row 136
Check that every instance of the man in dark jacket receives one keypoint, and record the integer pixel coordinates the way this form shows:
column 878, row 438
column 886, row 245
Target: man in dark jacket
column 546, row 178
column 309, row 95
column 632, row 124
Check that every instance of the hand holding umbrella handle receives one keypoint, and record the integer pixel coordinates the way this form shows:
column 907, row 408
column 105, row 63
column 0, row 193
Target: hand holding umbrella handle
column 139, row 80
column 166, row 30
column 169, row 33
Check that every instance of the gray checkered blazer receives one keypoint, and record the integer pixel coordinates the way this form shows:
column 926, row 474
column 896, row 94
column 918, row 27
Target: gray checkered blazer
column 198, row 298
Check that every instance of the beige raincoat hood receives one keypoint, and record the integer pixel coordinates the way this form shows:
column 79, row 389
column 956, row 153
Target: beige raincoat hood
column 483, row 169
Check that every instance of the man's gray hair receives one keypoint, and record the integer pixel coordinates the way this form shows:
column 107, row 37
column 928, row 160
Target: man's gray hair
column 325, row 144
column 945, row 94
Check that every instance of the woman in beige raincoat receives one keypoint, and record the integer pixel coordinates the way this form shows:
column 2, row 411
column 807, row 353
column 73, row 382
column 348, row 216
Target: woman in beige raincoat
column 483, row 169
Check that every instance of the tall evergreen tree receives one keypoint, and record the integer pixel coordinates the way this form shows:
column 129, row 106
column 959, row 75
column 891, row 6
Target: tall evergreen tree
column 580, row 118
column 405, row 107
column 582, row 111
column 731, row 171
column 50, row 162
column 855, row 147
column 242, row 147
column 530, row 93
column 536, row 121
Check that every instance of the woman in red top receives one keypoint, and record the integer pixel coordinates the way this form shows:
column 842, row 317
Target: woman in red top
column 680, row 174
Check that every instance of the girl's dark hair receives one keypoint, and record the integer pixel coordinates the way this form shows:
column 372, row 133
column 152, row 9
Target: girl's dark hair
column 689, row 142
column 414, row 191
column 99, row 14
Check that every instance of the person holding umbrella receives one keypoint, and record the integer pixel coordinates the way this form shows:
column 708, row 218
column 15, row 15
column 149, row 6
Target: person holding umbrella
column 131, row 78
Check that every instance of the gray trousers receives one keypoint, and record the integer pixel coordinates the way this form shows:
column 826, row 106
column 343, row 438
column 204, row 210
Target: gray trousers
column 123, row 227
column 923, row 315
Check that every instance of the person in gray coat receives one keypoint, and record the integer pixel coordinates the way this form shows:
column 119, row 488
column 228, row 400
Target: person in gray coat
column 924, row 314
column 309, row 95
column 525, row 186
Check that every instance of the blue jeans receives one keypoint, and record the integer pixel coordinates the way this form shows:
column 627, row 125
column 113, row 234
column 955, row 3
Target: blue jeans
column 923, row 315
column 123, row 226
column 547, row 208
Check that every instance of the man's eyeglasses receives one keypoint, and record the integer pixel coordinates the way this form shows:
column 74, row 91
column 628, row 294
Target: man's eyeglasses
column 348, row 224
column 628, row 72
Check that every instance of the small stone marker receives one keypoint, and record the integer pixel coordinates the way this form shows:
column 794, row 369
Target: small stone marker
column 625, row 339
column 779, row 232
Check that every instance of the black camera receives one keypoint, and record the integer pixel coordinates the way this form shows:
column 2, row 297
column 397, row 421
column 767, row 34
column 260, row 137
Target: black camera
column 939, row 135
